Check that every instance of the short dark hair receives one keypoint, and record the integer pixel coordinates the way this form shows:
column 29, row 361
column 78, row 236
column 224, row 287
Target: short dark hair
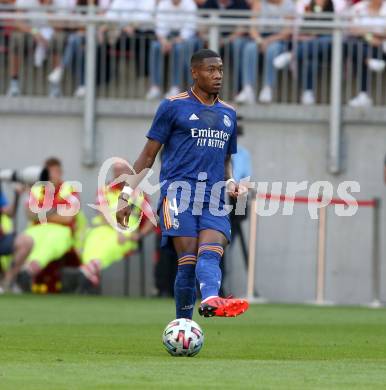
column 52, row 162
column 201, row 54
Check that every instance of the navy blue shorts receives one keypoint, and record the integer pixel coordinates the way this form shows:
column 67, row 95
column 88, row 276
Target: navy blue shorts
column 184, row 224
column 6, row 244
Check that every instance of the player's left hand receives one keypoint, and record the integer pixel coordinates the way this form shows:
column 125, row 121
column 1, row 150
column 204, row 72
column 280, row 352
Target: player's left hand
column 123, row 213
column 235, row 189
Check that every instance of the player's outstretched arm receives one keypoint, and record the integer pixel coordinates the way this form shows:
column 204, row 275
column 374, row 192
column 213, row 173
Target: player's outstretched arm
column 145, row 160
column 231, row 186
column 147, row 156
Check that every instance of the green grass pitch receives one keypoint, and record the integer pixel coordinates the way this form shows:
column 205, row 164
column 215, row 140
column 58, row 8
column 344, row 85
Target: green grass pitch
column 58, row 342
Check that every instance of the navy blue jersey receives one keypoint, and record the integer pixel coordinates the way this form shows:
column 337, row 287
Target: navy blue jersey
column 196, row 138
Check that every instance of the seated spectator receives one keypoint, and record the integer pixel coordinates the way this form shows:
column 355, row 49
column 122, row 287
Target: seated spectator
column 104, row 245
column 41, row 33
column 229, row 38
column 224, row 4
column 176, row 32
column 135, row 36
column 340, row 6
column 369, row 45
column 270, row 43
column 73, row 58
column 60, row 32
column 309, row 49
column 51, row 240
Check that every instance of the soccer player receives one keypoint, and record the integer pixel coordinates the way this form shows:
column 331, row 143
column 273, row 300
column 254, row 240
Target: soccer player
column 198, row 133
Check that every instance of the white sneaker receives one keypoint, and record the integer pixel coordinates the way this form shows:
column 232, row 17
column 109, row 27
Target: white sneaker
column 265, row 95
column 361, row 100
column 173, row 91
column 14, row 88
column 246, row 96
column 282, row 60
column 308, row 98
column 39, row 55
column 153, row 93
column 55, row 77
column 80, row 92
column 376, row 65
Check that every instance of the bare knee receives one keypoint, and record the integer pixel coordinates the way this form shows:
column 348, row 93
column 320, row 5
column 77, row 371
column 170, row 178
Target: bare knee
column 213, row 237
column 184, row 245
column 23, row 243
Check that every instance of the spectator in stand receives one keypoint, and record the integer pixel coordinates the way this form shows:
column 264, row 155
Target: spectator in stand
column 340, row 6
column 6, row 6
column 176, row 33
column 368, row 40
column 135, row 36
column 309, row 49
column 61, row 32
column 74, row 56
column 41, row 32
column 230, row 38
column 51, row 240
column 271, row 44
column 225, row 4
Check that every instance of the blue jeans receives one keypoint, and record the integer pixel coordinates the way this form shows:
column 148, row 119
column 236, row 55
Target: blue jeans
column 361, row 51
column 74, row 55
column 246, row 55
column 180, row 61
column 272, row 51
column 309, row 55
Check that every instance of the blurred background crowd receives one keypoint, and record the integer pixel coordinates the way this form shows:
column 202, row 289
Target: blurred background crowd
column 143, row 48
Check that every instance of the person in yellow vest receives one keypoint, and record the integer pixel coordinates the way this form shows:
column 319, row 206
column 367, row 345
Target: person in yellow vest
column 51, row 240
column 103, row 244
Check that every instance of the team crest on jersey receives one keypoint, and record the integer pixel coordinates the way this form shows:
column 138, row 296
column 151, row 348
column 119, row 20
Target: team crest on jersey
column 227, row 121
column 176, row 223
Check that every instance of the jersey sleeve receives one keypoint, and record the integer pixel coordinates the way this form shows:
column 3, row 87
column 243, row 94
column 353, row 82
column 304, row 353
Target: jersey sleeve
column 162, row 123
column 232, row 147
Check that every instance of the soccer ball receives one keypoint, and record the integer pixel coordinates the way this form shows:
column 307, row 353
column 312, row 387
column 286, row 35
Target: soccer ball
column 183, row 337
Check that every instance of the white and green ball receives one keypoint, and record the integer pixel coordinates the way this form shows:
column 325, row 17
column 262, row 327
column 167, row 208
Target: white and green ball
column 183, row 337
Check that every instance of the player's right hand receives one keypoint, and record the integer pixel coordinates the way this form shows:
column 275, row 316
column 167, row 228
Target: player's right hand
column 123, row 213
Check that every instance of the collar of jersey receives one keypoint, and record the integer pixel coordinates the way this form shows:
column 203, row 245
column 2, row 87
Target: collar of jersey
column 198, row 98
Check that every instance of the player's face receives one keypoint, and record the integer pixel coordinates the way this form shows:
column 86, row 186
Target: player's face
column 209, row 74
